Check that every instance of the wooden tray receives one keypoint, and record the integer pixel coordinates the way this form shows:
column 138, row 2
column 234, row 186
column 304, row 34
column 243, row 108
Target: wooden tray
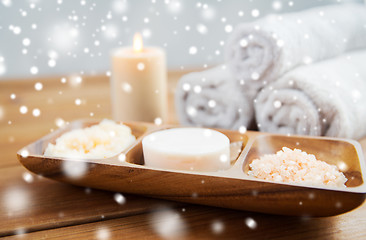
column 232, row 188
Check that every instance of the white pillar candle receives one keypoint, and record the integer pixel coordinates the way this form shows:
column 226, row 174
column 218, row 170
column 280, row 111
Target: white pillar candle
column 138, row 83
column 194, row 149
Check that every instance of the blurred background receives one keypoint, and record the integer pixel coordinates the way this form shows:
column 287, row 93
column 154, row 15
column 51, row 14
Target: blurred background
column 55, row 37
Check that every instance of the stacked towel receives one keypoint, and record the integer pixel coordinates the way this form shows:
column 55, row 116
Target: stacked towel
column 259, row 52
column 211, row 99
column 326, row 98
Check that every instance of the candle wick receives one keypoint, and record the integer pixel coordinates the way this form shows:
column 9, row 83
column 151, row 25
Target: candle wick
column 137, row 42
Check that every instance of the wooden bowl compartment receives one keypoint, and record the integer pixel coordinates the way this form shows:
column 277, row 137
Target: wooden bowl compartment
column 38, row 148
column 340, row 153
column 135, row 154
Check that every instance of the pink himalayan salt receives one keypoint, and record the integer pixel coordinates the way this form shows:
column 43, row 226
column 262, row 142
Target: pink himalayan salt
column 296, row 166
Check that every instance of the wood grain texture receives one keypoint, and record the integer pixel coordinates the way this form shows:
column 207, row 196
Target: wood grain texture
column 44, row 203
column 214, row 223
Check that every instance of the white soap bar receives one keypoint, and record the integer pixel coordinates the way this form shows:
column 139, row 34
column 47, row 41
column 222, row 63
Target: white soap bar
column 195, row 149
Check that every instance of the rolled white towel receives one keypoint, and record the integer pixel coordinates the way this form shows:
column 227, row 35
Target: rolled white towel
column 327, row 98
column 261, row 51
column 211, row 99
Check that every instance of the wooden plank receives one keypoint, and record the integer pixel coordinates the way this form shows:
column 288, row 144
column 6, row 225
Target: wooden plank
column 197, row 222
column 43, row 203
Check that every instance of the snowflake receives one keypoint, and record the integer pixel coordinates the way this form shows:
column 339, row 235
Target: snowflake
column 36, row 112
column 26, row 42
column 15, row 200
column 7, row 3
column 34, row 70
column 255, row 13
column 191, row 111
column 192, row 50
column 211, row 103
column 74, row 169
column 228, row 28
column 277, row 104
column 38, row 86
column 103, row 233
column 173, row 6
column 208, row 13
column 78, row 101
column 23, row 109
column 119, row 198
column 158, row 121
column 277, row 5
column 202, row 29
column 122, row 157
column 242, row 129
column 28, row 177
column 141, row 66
column 251, row 223
column 168, row 224
column 217, row 227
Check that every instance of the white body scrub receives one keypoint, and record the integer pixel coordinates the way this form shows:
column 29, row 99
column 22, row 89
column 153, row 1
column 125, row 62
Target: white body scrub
column 100, row 141
column 194, row 149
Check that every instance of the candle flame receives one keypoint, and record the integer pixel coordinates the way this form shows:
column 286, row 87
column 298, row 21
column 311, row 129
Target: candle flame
column 137, row 42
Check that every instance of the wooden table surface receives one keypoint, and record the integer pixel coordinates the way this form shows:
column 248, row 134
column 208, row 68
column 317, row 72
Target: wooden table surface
column 32, row 207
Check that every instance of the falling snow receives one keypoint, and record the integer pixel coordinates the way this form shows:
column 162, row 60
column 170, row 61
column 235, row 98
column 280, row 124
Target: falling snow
column 34, row 70
column 24, row 153
column 243, row 42
column 103, row 233
column 186, row 87
column 193, row 50
column 77, row 101
column 28, row 177
column 122, row 157
column 224, row 158
column 16, row 200
column 191, row 111
column 202, row 29
column 228, row 28
column 26, row 42
column 277, row 104
column 168, row 224
column 59, row 122
column 74, row 169
column 242, row 129
column 2, row 66
column 211, row 103
column 38, row 86
column 140, row 66
column 36, row 112
column 119, row 198
column 255, row 76
column 74, row 81
column 197, row 89
column 255, row 13
column 126, row 87
column 251, row 223
column 158, row 121
column 23, row 109
column 217, row 227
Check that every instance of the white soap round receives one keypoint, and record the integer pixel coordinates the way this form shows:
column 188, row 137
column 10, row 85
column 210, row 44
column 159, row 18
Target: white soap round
column 194, row 149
